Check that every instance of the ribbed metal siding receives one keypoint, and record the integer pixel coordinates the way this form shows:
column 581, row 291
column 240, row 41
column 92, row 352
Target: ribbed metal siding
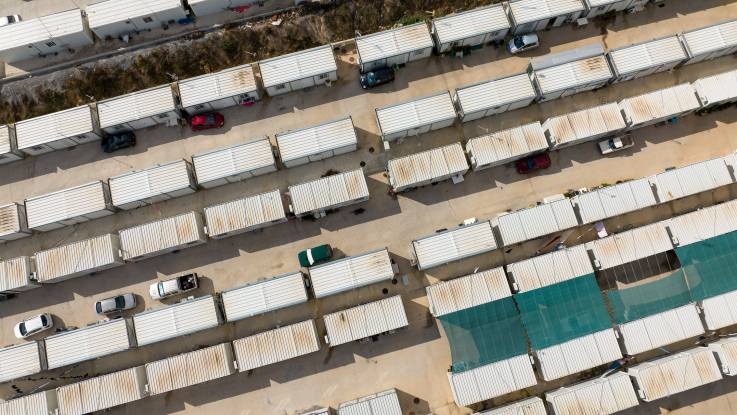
column 601, row 396
column 13, row 222
column 717, row 89
column 55, row 126
column 69, row 206
column 647, row 58
column 365, row 320
column 584, row 125
column 350, row 273
column 453, row 245
column 6, row 145
column 711, row 42
column 382, row 403
column 78, row 258
column 427, row 167
column 176, row 320
column 470, row 24
column 726, row 352
column 264, row 296
column 393, row 42
column 165, row 181
column 578, row 354
column 688, row 180
column 19, row 360
column 614, row 200
column 551, row 268
column 15, row 275
column 661, row 329
column 243, row 215
column 492, row 380
column 660, row 105
column 413, row 115
column 102, row 392
column 529, row 406
column 227, row 83
column 41, row 403
column 189, row 369
column 507, row 145
column 720, row 311
column 235, row 163
column 525, row 11
column 513, row 91
column 162, row 236
column 629, row 246
column 318, row 142
column 329, row 192
column 537, row 221
column 573, row 77
column 66, row 28
column 138, row 105
column 468, row 291
column 110, row 12
column 87, row 343
column 704, row 223
column 276, row 345
column 298, row 65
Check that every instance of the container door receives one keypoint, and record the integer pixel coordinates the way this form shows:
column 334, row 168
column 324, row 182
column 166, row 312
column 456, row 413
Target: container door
column 142, row 123
column 302, row 83
column 397, row 60
column 558, row 21
column 86, row 138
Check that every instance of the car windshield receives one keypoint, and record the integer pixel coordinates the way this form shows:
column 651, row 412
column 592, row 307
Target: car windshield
column 210, row 119
column 119, row 302
column 98, row 306
column 22, row 329
column 44, row 321
column 518, row 42
column 160, row 287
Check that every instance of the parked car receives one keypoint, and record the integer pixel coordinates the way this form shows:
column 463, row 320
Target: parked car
column 376, row 77
column 115, row 304
column 207, row 121
column 117, row 142
column 174, row 286
column 33, row 325
column 523, row 43
column 533, row 163
column 6, row 20
column 313, row 256
column 613, row 144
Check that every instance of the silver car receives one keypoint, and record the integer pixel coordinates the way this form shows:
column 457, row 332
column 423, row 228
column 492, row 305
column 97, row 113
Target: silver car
column 523, row 43
column 115, row 304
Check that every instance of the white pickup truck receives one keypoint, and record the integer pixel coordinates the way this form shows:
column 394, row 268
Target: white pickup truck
column 613, row 144
column 174, row 286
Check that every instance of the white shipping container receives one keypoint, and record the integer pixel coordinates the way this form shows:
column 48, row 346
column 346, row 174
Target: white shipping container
column 567, row 73
column 13, row 223
column 140, row 109
column 416, row 117
column 162, row 236
column 492, row 380
column 8, row 145
column 318, row 142
column 78, row 258
column 87, row 343
column 505, row 146
column 717, row 89
column 102, row 392
column 245, row 215
column 384, row 403
column 394, row 47
column 468, row 291
column 69, row 206
column 610, row 201
column 691, row 179
column 17, row 274
column 176, row 320
column 577, row 355
column 453, row 245
column 601, row 396
column 427, row 167
column 205, row 7
column 584, row 125
column 470, row 28
column 703, row 224
column 351, row 272
column 20, row 360
column 365, row 320
column 263, row 296
column 726, row 353
column 39, row 403
column 57, row 130
column 277, row 345
column 189, row 369
column 299, row 70
column 113, row 18
column 661, row 329
column 711, row 42
column 145, row 187
column 657, row 106
column 494, row 97
column 530, row 223
column 215, row 91
column 720, row 311
column 529, row 406
column 599, row 7
column 533, row 15
column 548, row 269
column 235, row 163
column 642, row 59
column 316, row 197
column 630, row 246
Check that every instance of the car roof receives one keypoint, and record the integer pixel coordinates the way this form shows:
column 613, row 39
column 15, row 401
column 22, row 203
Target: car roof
column 33, row 324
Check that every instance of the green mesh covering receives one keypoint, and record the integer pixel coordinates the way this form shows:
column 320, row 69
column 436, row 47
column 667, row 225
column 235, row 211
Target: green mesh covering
column 564, row 311
column 484, row 334
column 647, row 299
column 710, row 266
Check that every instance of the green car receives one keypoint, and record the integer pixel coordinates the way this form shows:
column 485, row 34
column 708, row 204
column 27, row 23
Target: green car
column 312, row 256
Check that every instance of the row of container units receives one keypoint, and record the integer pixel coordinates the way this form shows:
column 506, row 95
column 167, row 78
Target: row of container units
column 299, row 70
column 535, row 222
column 703, row 224
column 235, row 163
column 492, row 380
column 584, row 125
column 277, row 345
column 653, row 56
column 494, row 97
column 112, row 18
column 176, row 320
column 661, row 329
column 352, row 272
column 394, row 47
column 416, row 117
column 264, row 296
column 88, row 343
column 57, row 131
column 469, row 29
column 317, row 142
column 551, row 268
column 102, row 392
column 630, row 246
column 659, row 106
column 13, row 222
column 216, row 91
column 384, row 403
column 137, row 110
column 615, row 200
column 77, row 259
column 139, row 188
column 452, row 245
column 69, row 206
column 162, row 236
column 693, row 178
column 427, row 167
column 317, row 197
column 506, row 146
column 535, row 15
column 244, row 215
column 365, row 320
column 577, row 355
column 189, row 369
column 468, row 291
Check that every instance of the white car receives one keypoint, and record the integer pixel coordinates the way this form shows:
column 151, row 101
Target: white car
column 523, row 43
column 33, row 325
column 6, row 20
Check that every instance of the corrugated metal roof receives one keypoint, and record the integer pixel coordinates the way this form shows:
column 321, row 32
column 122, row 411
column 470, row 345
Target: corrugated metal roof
column 245, row 214
column 161, row 236
column 232, row 161
column 675, row 373
column 704, row 223
column 298, row 65
column 584, row 125
column 41, row 403
column 351, row 272
column 365, row 320
column 716, row 89
column 691, row 179
column 529, row 406
column 726, row 351
column 615, row 200
column 495, row 93
column 328, row 192
column 643, row 56
column 573, row 74
column 471, row 23
column 54, row 126
column 468, row 291
column 659, row 105
column 112, row 11
column 427, row 166
column 227, row 83
column 321, row 411
column 318, row 139
column 276, row 345
column 414, row 114
column 578, row 354
column 264, row 296
column 153, row 182
column 507, row 145
column 20, row 360
column 12, row 219
column 137, row 105
column 382, row 403
column 601, row 396
column 549, row 269
column 189, row 369
column 629, row 246
column 454, row 244
column 537, row 221
column 15, row 273
column 102, row 392
column 78, row 258
column 393, row 42
column 5, row 146
column 711, row 38
column 720, row 311
column 67, row 204
column 661, row 329
column 87, row 343
column 525, row 11
column 41, row 29
column 176, row 320
column 492, row 380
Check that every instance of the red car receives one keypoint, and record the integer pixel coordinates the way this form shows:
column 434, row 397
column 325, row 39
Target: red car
column 532, row 163
column 207, row 121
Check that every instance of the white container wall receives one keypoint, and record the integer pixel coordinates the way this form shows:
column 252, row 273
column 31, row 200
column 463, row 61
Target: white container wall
column 69, row 206
column 384, row 403
column 318, row 196
column 176, row 320
column 13, row 223
column 468, row 291
column 17, row 275
column 57, row 130
column 470, row 28
column 584, row 125
column 529, row 406
column 351, row 272
column 596, row 8
column 548, row 269
column 102, row 392
column 87, row 343
column 276, row 345
column 570, row 72
column 263, row 296
column 453, row 245
column 530, row 223
column 691, row 179
column 146, row 187
column 630, row 246
column 494, row 97
column 416, row 117
column 113, row 18
column 299, row 70
column 162, row 236
column 647, row 58
column 205, row 7
column 394, row 47
column 726, row 352
column 711, row 42
column 492, row 380
column 8, row 145
column 720, row 311
column 506, row 146
column 703, row 224
column 78, row 258
column 533, row 15
column 610, row 201
column 577, row 355
column 189, row 369
column 657, row 106
column 233, row 164
column 427, row 167
column 138, row 110
column 601, row 396
column 315, row 143
column 40, row 403
column 19, row 361
column 365, row 320
column 215, row 91
column 661, row 329
column 245, row 215
column 675, row 373
column 717, row 89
